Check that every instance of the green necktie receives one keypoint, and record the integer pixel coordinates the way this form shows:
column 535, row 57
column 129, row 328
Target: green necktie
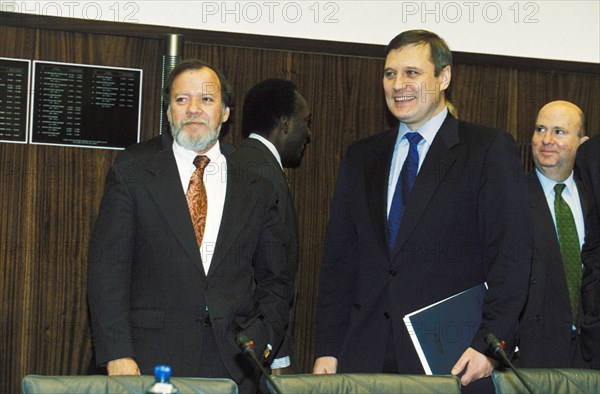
column 569, row 247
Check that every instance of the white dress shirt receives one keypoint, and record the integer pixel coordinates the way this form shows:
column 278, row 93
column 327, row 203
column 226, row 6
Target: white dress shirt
column 215, row 181
column 571, row 195
column 428, row 131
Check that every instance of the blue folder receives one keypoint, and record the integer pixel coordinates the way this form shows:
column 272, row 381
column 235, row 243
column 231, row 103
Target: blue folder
column 441, row 332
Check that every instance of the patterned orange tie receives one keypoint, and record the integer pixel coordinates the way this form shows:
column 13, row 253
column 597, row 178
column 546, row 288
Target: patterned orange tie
column 196, row 197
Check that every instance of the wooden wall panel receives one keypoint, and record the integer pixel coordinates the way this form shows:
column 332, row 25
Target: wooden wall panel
column 534, row 89
column 480, row 94
column 49, row 195
column 49, row 199
column 347, row 103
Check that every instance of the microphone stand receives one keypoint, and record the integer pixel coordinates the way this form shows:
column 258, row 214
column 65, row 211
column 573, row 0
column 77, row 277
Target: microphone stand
column 248, row 347
column 495, row 345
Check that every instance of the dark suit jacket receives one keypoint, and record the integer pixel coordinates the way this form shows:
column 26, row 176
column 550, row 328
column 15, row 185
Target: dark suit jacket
column 588, row 163
column 147, row 287
column 467, row 221
column 257, row 160
column 545, row 336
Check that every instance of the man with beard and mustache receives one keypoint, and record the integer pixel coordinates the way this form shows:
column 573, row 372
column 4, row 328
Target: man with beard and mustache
column 276, row 127
column 184, row 255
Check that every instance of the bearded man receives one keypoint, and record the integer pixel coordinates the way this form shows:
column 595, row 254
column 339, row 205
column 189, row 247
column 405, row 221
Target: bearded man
column 185, row 256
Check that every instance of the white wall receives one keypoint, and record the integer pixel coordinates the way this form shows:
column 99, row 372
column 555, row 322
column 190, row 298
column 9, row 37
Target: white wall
column 547, row 29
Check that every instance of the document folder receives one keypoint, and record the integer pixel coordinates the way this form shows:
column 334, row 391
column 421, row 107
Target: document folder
column 441, row 332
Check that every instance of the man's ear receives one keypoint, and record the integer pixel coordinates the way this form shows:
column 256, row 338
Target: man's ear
column 226, row 112
column 445, row 77
column 284, row 123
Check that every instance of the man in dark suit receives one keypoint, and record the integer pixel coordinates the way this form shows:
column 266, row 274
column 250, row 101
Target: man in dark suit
column 588, row 163
column 181, row 262
column 465, row 222
column 550, row 326
column 276, row 127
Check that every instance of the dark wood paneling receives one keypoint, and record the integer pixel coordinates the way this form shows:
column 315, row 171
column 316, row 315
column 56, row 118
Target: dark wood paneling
column 347, row 104
column 49, row 195
column 49, row 198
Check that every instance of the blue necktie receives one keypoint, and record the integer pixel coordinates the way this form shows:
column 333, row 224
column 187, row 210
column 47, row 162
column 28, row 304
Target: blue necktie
column 405, row 183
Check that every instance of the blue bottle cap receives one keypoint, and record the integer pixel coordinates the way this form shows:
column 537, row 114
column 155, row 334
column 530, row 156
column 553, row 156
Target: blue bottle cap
column 162, row 372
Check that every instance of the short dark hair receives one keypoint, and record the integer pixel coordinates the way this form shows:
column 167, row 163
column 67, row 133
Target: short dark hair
column 265, row 103
column 440, row 53
column 196, row 64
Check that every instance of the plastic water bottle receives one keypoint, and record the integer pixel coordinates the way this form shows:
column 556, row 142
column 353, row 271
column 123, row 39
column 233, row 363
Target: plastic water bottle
column 162, row 381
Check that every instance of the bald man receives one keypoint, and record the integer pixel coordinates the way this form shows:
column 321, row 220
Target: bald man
column 550, row 325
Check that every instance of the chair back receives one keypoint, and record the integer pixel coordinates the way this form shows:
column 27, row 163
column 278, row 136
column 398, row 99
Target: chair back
column 365, row 383
column 548, row 380
column 96, row 384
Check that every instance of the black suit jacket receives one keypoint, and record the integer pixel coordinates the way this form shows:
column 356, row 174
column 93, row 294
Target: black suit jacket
column 467, row 221
column 588, row 163
column 545, row 336
column 255, row 159
column 147, row 288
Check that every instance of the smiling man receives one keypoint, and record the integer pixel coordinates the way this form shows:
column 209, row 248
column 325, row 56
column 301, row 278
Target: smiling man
column 555, row 305
column 421, row 212
column 184, row 256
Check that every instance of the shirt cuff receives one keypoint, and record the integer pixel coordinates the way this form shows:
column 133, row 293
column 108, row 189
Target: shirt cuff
column 282, row 362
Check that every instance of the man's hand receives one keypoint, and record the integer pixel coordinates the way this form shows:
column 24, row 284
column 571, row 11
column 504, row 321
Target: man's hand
column 122, row 366
column 474, row 365
column 325, row 365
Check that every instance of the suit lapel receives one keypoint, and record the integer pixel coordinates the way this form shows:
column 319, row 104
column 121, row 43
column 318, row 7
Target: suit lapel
column 546, row 241
column 164, row 185
column 582, row 196
column 377, row 173
column 239, row 204
column 438, row 161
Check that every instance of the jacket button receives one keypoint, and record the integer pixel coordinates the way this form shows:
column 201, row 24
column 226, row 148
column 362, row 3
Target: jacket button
column 537, row 317
column 386, row 316
column 357, row 306
column 533, row 281
column 393, row 272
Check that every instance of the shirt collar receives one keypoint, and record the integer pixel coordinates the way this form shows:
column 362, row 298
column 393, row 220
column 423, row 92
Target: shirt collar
column 269, row 146
column 428, row 130
column 188, row 156
column 548, row 184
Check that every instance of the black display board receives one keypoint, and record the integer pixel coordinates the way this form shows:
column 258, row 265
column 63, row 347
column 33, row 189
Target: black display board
column 85, row 105
column 14, row 99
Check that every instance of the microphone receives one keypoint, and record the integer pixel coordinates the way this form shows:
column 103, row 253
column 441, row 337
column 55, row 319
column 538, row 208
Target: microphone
column 498, row 349
column 247, row 346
